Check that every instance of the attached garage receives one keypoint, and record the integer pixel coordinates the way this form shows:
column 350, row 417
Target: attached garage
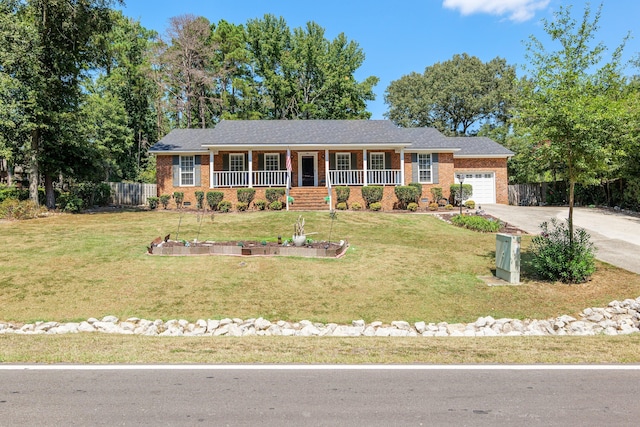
column 483, row 185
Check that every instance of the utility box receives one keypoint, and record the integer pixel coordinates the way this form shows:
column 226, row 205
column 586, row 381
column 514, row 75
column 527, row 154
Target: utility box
column 508, row 257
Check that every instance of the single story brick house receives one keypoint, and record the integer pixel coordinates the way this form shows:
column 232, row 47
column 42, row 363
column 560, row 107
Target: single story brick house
column 317, row 155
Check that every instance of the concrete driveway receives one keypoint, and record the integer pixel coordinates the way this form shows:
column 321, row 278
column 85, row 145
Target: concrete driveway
column 615, row 235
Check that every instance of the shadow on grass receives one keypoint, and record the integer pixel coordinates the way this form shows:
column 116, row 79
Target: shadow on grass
column 526, row 265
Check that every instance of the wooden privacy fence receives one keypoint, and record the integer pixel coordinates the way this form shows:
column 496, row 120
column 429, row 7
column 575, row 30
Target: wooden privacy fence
column 131, row 193
column 527, row 194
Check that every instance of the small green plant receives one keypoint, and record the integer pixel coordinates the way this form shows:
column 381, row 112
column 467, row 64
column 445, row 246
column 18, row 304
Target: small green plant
column 199, row 199
column 241, row 206
column 273, row 194
column 372, row 194
column 476, row 223
column 412, row 207
column 341, row 206
column 405, row 194
column 178, row 196
column 214, row 198
column 356, row 206
column 433, row 206
column 246, row 195
column 224, row 206
column 449, row 206
column 153, row 202
column 276, row 205
column 19, row 209
column 557, row 256
column 342, row 194
column 470, row 204
column 69, row 202
column 260, row 204
column 164, row 200
column 377, row 206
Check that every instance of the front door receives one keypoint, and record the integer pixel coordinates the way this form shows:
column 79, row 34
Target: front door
column 308, row 171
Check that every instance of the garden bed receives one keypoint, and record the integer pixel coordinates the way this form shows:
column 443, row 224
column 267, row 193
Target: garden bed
column 249, row 248
column 505, row 227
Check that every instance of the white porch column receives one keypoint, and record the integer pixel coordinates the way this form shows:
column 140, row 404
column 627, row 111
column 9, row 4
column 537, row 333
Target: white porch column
column 210, row 169
column 250, row 168
column 402, row 166
column 326, row 168
column 364, row 165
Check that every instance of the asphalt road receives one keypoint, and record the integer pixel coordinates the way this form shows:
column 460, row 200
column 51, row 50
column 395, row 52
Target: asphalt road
column 615, row 235
column 312, row 396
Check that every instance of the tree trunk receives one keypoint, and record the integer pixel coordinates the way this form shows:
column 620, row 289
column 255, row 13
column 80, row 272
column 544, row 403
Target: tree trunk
column 34, row 172
column 572, row 185
column 48, row 189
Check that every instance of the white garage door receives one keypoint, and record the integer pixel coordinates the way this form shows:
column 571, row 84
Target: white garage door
column 483, row 185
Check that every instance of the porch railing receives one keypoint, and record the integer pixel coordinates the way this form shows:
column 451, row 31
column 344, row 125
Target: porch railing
column 374, row 177
column 230, row 179
column 270, row 178
column 384, row 177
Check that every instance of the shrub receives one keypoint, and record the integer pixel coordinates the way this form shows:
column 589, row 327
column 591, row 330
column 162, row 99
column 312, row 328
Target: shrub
column 477, row 223
column 405, row 194
column 91, row 193
column 178, row 196
column 199, row 199
column 69, row 202
column 376, row 206
column 224, row 206
column 11, row 192
column 341, row 206
column 467, row 191
column 412, row 207
column 246, row 195
column 276, row 205
column 449, row 207
column 260, row 204
column 631, row 195
column 372, row 193
column 164, row 200
column 19, row 209
column 342, row 194
column 470, row 204
column 241, row 206
column 433, row 206
column 555, row 257
column 356, row 206
column 273, row 194
column 418, row 187
column 214, row 198
column 153, row 202
column 436, row 193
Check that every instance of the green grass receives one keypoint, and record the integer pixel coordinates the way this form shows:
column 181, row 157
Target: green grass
column 399, row 267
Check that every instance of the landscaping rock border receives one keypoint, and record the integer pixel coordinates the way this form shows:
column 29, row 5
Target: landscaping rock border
column 618, row 318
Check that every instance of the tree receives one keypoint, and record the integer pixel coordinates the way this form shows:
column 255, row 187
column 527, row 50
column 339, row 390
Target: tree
column 573, row 109
column 454, row 95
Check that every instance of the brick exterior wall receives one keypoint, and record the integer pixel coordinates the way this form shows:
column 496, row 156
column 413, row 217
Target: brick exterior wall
column 447, row 167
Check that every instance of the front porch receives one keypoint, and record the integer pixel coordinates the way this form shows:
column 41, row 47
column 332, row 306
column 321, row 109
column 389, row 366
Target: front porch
column 319, row 168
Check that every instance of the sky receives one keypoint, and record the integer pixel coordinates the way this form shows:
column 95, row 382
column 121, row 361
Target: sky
column 403, row 36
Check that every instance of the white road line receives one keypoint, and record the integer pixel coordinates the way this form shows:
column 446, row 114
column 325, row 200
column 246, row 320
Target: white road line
column 63, row 367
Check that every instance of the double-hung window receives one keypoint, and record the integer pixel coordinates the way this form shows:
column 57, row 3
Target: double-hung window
column 424, row 168
column 187, row 170
column 343, row 161
column 272, row 161
column 236, row 162
column 376, row 161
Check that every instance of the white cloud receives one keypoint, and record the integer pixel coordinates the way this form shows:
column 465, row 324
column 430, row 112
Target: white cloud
column 517, row 10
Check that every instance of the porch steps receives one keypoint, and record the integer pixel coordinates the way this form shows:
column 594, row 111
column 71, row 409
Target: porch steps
column 308, row 199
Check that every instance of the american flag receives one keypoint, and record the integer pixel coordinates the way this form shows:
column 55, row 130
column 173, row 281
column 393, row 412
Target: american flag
column 289, row 162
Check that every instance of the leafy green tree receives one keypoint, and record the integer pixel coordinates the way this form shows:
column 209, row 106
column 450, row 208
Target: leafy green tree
column 454, row 95
column 573, row 111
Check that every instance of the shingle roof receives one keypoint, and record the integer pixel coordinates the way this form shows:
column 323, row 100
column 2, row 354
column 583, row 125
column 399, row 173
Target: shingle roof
column 323, row 132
